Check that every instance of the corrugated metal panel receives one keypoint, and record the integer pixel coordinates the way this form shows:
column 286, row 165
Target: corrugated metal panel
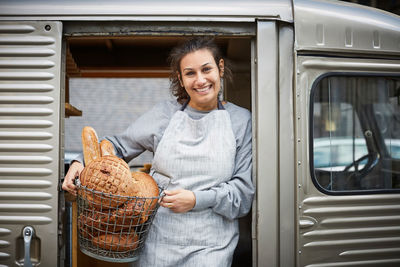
column 335, row 26
column 356, row 230
column 29, row 138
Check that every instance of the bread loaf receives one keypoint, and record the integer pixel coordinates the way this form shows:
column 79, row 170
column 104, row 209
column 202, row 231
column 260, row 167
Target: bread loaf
column 131, row 214
column 90, row 145
column 116, row 241
column 109, row 214
column 110, row 175
column 88, row 226
column 106, row 148
column 113, row 221
column 146, row 187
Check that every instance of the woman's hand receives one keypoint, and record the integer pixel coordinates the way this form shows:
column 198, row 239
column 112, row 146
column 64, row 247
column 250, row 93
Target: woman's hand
column 74, row 171
column 179, row 200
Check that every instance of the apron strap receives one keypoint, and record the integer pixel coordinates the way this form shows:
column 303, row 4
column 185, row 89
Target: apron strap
column 185, row 104
column 220, row 106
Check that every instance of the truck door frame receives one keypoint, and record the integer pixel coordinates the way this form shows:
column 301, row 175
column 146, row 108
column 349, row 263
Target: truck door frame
column 226, row 29
column 274, row 145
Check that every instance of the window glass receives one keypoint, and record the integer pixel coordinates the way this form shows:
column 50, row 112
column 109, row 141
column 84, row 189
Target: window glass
column 356, row 133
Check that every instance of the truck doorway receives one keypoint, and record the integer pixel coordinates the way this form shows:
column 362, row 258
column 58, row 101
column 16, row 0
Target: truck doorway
column 110, row 80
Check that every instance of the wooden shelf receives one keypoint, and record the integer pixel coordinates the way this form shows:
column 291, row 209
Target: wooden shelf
column 71, row 110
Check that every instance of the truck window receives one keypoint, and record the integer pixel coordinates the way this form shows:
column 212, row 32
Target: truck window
column 355, row 133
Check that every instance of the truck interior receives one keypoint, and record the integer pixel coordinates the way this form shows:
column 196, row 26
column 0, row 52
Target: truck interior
column 94, row 57
column 355, row 131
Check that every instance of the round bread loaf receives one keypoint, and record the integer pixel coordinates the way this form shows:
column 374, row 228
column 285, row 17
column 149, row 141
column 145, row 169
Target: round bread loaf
column 146, row 188
column 125, row 217
column 86, row 227
column 135, row 211
column 96, row 220
column 145, row 185
column 110, row 175
column 117, row 241
column 131, row 214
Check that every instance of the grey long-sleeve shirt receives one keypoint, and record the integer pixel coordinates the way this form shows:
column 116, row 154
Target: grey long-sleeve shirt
column 231, row 199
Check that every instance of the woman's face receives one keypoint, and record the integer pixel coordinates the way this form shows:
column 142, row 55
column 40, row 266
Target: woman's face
column 201, row 79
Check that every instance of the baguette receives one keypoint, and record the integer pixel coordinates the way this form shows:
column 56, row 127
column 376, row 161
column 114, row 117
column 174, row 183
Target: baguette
column 106, row 148
column 90, row 144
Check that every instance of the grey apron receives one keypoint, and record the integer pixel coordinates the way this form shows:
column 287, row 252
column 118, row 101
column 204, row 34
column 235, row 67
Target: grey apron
column 194, row 155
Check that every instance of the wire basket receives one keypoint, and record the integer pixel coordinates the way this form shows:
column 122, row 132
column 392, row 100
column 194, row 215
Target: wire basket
column 111, row 227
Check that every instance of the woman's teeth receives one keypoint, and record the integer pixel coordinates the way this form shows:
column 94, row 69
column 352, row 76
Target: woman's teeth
column 202, row 89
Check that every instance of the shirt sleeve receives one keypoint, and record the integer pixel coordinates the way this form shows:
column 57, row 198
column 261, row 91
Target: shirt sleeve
column 233, row 199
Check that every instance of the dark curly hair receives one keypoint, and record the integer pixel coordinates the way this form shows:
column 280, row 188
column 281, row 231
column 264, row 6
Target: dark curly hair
column 189, row 46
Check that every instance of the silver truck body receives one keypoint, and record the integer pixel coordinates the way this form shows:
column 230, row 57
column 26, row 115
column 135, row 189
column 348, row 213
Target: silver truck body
column 280, row 48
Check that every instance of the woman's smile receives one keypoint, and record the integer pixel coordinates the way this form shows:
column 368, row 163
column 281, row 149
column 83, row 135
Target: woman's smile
column 203, row 90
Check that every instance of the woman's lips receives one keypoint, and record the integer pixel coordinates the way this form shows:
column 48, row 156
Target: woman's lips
column 203, row 89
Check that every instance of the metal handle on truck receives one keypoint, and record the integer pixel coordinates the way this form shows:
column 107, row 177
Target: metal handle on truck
column 28, row 234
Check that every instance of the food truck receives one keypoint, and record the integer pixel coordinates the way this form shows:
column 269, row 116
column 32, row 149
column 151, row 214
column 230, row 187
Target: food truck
column 320, row 77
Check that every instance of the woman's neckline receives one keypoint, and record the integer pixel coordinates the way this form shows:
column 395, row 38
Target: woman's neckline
column 188, row 107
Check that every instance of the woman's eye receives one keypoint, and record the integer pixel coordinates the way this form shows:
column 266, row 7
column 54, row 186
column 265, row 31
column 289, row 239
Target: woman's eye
column 206, row 69
column 190, row 73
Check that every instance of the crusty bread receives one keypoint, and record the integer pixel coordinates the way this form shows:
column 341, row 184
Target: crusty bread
column 110, row 175
column 116, row 241
column 146, row 187
column 90, row 145
column 124, row 218
column 106, row 148
column 89, row 225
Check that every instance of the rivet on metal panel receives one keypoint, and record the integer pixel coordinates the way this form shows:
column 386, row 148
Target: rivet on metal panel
column 299, row 163
column 299, row 206
column 298, row 117
column 299, row 185
column 255, row 61
column 298, row 140
column 377, row 40
column 320, row 38
column 348, row 38
column 47, row 27
column 299, row 251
